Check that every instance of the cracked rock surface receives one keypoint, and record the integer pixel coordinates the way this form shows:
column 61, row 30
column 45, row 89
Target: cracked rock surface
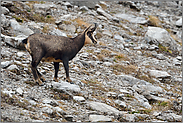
column 133, row 73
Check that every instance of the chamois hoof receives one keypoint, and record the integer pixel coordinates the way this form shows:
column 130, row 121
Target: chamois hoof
column 54, row 79
column 40, row 84
column 43, row 79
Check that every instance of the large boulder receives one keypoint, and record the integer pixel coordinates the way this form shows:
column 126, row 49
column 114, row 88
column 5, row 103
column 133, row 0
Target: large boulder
column 132, row 18
column 18, row 29
column 89, row 4
column 157, row 36
column 15, row 42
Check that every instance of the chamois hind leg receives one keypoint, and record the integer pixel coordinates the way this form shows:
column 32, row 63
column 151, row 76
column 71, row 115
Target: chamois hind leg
column 56, row 66
column 66, row 66
column 34, row 64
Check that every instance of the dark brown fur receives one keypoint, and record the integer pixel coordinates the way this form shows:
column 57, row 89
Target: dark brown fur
column 49, row 48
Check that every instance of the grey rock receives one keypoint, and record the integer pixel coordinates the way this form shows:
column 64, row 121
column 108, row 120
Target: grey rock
column 20, row 29
column 89, row 4
column 118, row 37
column 99, row 118
column 111, row 94
column 70, row 28
column 155, row 98
column 42, row 8
column 9, row 92
column 102, row 107
column 160, row 57
column 13, row 67
column 124, row 91
column 105, row 14
column 49, row 101
column 57, row 32
column 132, row 18
column 68, row 4
column 159, row 74
column 84, row 8
column 179, row 22
column 20, row 54
column 47, row 110
column 158, row 36
column 59, row 110
column 66, row 86
column 79, row 98
column 4, row 10
column 179, row 58
column 32, row 102
column 142, row 100
column 6, row 64
column 128, row 118
column 146, row 87
column 19, row 91
column 108, row 63
column 15, row 42
column 170, row 117
column 108, row 33
column 121, row 103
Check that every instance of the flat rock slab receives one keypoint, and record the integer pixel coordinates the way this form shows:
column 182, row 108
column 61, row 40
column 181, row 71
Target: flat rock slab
column 132, row 18
column 102, row 107
column 79, row 98
column 99, row 118
column 65, row 86
column 159, row 74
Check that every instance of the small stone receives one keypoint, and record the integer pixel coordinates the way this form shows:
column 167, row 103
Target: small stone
column 20, row 54
column 58, row 109
column 99, row 118
column 47, row 110
column 79, row 98
column 32, row 102
column 19, row 91
column 13, row 67
column 120, row 103
column 6, row 64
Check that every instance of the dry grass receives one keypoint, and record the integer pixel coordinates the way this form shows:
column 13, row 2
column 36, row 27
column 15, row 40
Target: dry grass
column 41, row 18
column 100, row 57
column 80, row 22
column 45, row 29
column 106, row 52
column 125, row 69
column 121, row 57
column 154, row 21
column 102, row 43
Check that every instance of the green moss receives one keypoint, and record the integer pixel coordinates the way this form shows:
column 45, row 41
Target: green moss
column 18, row 19
column 163, row 103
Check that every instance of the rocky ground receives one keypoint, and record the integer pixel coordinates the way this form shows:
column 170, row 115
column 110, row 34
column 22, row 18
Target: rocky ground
column 133, row 74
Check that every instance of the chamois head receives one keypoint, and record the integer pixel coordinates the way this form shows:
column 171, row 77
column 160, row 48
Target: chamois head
column 89, row 37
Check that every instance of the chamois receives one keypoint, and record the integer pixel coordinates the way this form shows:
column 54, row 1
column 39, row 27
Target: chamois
column 50, row 48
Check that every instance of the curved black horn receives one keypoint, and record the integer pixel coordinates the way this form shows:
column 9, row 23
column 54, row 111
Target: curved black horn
column 93, row 29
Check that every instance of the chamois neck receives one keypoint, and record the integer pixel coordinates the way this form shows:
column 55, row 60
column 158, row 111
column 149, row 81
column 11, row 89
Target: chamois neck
column 79, row 41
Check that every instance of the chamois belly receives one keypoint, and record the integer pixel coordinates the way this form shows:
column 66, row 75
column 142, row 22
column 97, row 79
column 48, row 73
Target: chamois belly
column 50, row 59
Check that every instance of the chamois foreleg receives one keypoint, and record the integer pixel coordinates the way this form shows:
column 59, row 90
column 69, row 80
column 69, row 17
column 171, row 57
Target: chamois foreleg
column 66, row 67
column 40, row 76
column 36, row 74
column 56, row 66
